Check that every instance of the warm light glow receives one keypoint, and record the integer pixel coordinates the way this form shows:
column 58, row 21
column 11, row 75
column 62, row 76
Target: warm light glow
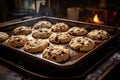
column 96, row 19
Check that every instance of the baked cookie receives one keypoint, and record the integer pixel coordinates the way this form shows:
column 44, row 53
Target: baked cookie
column 77, row 31
column 82, row 44
column 16, row 41
column 98, row 35
column 35, row 45
column 41, row 33
column 22, row 30
column 60, row 27
column 42, row 24
column 56, row 53
column 60, row 38
column 3, row 36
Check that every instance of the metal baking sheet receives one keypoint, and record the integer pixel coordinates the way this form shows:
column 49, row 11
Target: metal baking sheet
column 77, row 60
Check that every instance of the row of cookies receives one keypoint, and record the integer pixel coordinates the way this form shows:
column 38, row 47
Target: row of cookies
column 77, row 31
column 43, row 29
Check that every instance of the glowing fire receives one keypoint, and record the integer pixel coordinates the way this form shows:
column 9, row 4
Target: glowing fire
column 96, row 19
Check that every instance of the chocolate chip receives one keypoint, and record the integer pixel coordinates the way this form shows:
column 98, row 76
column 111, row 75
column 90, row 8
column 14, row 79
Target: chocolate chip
column 54, row 57
column 40, row 30
column 27, row 43
column 82, row 43
column 48, row 44
column 18, row 40
column 78, row 40
column 89, row 41
column 77, row 49
column 99, row 32
column 62, row 52
column 56, row 38
column 20, row 29
column 49, row 53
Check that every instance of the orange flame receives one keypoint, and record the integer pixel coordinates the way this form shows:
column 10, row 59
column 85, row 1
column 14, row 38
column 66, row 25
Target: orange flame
column 96, row 19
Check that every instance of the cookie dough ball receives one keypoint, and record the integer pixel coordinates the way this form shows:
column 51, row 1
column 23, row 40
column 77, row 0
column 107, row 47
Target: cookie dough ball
column 3, row 36
column 35, row 45
column 98, row 35
column 22, row 30
column 60, row 27
column 56, row 53
column 77, row 31
column 41, row 33
column 82, row 44
column 16, row 41
column 60, row 38
column 42, row 24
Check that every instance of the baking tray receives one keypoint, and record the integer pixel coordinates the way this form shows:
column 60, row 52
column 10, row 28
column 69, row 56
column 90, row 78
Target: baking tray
column 78, row 60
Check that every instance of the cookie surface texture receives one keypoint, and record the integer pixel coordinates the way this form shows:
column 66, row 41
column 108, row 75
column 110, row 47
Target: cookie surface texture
column 3, row 36
column 77, row 31
column 60, row 27
column 82, row 44
column 56, row 53
column 22, row 30
column 16, row 41
column 60, row 38
column 41, row 33
column 42, row 24
column 98, row 35
column 35, row 45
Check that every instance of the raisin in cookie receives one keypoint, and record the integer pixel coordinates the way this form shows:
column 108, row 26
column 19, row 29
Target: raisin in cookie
column 42, row 24
column 60, row 27
column 16, row 41
column 77, row 31
column 3, row 36
column 35, row 45
column 41, row 33
column 56, row 53
column 60, row 38
column 22, row 30
column 98, row 35
column 82, row 44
